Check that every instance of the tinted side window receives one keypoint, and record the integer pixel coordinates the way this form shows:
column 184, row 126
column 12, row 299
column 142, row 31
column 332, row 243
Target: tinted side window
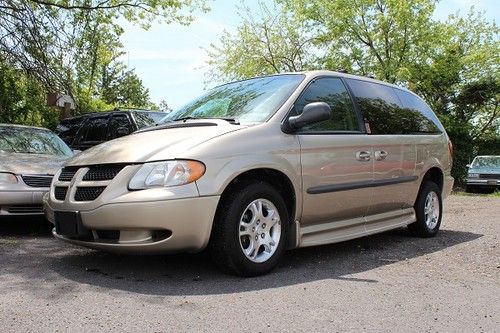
column 381, row 107
column 118, row 121
column 68, row 128
column 95, row 130
column 428, row 122
column 146, row 119
column 333, row 92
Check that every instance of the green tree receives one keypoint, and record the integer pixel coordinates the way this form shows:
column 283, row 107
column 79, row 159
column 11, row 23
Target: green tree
column 63, row 44
column 23, row 100
column 128, row 91
column 453, row 64
column 273, row 42
column 379, row 37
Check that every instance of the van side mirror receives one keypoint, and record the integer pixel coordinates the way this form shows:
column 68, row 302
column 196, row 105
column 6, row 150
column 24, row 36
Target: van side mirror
column 467, row 166
column 122, row 131
column 313, row 113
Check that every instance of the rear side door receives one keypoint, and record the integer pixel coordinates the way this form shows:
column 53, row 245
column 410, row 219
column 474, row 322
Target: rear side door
column 336, row 159
column 394, row 151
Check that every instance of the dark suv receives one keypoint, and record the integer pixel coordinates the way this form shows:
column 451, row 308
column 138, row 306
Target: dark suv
column 84, row 131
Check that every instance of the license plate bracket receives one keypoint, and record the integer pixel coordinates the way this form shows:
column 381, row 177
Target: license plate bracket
column 69, row 224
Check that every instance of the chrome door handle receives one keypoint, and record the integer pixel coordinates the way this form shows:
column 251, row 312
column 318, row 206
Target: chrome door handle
column 363, row 155
column 380, row 155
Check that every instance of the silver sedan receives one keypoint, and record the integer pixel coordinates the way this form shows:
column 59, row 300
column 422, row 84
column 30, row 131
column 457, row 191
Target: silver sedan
column 29, row 157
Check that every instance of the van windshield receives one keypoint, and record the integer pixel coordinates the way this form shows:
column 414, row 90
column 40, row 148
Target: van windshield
column 248, row 101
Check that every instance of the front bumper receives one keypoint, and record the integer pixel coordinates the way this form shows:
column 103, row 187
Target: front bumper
column 185, row 225
column 483, row 183
column 22, row 202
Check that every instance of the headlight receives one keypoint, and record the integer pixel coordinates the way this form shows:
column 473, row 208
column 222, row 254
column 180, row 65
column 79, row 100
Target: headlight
column 7, row 178
column 473, row 175
column 166, row 174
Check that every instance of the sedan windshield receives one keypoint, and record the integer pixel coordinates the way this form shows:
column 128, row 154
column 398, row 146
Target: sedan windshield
column 248, row 101
column 31, row 141
column 486, row 162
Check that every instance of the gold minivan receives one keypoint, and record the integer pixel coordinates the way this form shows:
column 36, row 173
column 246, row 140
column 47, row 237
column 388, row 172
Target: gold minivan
column 255, row 167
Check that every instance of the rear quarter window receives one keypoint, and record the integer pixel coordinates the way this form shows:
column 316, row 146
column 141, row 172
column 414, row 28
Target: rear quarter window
column 147, row 119
column 386, row 110
column 428, row 123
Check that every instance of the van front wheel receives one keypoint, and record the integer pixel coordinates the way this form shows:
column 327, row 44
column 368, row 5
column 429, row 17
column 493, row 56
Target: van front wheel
column 249, row 233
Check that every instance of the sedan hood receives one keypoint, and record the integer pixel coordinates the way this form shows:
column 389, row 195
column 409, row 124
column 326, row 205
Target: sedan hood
column 154, row 144
column 485, row 170
column 30, row 164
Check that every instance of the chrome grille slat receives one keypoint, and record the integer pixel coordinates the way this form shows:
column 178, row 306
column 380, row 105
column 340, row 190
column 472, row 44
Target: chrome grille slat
column 37, row 181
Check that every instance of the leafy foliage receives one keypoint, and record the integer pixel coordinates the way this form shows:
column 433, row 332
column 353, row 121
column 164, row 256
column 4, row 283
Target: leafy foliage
column 268, row 44
column 452, row 64
column 73, row 47
column 23, row 100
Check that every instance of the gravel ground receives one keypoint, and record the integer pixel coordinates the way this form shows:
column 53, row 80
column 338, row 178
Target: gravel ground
column 387, row 282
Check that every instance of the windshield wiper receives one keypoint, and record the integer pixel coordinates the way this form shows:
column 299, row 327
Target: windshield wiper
column 230, row 120
column 185, row 118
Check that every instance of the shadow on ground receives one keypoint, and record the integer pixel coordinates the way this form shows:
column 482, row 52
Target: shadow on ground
column 24, row 226
column 197, row 275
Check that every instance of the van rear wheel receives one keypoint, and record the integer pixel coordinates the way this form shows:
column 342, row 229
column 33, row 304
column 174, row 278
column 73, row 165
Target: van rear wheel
column 249, row 233
column 429, row 210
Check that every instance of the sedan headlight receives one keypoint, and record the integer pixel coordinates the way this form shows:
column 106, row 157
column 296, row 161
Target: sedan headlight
column 473, row 175
column 7, row 178
column 166, row 174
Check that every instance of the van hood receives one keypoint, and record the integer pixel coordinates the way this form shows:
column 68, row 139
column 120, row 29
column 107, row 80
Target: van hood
column 30, row 164
column 154, row 144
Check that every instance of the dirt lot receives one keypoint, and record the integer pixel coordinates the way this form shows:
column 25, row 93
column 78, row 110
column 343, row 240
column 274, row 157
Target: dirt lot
column 388, row 282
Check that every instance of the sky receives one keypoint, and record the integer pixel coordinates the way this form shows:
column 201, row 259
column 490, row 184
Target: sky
column 171, row 60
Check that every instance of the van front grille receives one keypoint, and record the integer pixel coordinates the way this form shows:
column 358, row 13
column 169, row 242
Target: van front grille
column 88, row 193
column 85, row 191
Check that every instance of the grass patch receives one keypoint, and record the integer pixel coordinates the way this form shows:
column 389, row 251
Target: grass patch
column 8, row 241
column 495, row 194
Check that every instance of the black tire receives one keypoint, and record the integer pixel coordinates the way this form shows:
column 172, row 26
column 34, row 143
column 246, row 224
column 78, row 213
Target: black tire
column 420, row 227
column 470, row 189
column 224, row 245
